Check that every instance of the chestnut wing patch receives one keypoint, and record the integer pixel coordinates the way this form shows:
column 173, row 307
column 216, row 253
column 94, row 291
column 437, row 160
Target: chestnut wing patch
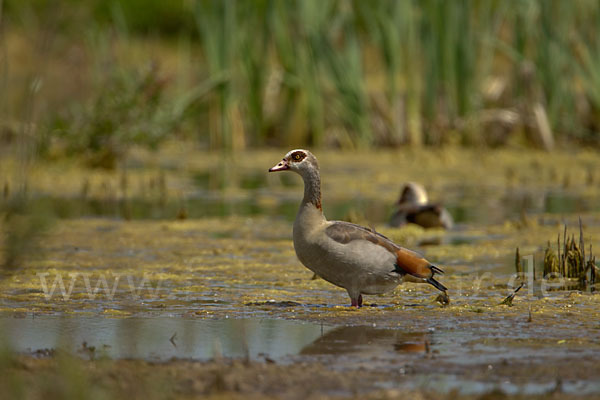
column 407, row 261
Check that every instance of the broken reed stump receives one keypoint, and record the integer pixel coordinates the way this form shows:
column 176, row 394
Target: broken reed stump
column 520, row 269
column 551, row 264
column 593, row 268
column 570, row 260
column 518, row 265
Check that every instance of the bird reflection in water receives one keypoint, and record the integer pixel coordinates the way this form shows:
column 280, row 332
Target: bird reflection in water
column 368, row 341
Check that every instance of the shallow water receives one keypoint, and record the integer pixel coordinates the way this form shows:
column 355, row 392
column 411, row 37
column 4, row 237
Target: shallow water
column 160, row 338
column 478, row 187
column 445, row 357
column 467, row 205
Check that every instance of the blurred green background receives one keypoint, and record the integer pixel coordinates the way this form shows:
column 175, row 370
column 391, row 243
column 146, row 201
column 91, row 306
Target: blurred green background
column 92, row 78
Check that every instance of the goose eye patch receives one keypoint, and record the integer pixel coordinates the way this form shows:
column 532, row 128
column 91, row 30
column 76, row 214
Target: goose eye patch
column 298, row 156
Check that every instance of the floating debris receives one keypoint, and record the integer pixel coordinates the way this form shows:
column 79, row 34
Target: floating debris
column 273, row 303
column 88, row 350
column 443, row 299
column 43, row 353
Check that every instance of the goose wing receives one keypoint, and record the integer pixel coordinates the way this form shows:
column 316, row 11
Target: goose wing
column 407, row 261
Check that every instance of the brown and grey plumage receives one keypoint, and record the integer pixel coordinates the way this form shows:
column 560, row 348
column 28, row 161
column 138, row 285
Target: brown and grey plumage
column 347, row 255
column 414, row 207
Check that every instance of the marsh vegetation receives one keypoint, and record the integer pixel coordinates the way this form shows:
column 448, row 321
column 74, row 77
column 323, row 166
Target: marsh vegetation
column 93, row 79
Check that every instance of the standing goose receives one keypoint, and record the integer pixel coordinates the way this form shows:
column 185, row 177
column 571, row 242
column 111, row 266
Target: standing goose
column 347, row 255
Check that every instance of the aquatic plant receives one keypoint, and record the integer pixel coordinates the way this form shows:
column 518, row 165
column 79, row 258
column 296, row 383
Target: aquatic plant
column 570, row 261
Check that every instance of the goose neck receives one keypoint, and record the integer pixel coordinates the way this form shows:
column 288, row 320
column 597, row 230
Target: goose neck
column 312, row 189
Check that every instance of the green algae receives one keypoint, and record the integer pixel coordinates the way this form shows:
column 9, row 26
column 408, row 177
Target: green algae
column 218, row 267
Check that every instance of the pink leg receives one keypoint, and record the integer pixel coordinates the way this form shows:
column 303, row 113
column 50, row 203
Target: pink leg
column 355, row 298
column 356, row 302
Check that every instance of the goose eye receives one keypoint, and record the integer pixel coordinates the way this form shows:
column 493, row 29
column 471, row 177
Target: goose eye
column 298, row 156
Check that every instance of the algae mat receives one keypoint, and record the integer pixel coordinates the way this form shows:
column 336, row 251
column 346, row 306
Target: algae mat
column 242, row 267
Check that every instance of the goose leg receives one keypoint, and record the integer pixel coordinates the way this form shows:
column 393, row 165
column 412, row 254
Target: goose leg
column 355, row 298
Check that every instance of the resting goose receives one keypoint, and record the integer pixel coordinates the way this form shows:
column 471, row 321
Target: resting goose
column 347, row 255
column 414, row 207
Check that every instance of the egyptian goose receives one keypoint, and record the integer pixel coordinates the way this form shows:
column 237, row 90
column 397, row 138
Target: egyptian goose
column 347, row 255
column 414, row 207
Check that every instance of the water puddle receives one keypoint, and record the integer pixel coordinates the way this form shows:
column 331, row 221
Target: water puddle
column 450, row 359
column 160, row 338
column 456, row 384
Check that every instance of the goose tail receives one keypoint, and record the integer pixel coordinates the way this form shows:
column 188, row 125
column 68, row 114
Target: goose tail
column 431, row 280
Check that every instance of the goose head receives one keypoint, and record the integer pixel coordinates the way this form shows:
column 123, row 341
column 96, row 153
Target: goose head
column 413, row 193
column 303, row 162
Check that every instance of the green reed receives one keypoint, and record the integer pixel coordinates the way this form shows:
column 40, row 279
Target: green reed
column 349, row 73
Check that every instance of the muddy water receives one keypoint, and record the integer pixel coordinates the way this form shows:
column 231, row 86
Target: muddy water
column 119, row 272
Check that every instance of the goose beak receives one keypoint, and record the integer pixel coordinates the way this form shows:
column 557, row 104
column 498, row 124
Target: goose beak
column 282, row 166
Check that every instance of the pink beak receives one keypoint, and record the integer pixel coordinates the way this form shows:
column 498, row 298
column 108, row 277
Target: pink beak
column 282, row 166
